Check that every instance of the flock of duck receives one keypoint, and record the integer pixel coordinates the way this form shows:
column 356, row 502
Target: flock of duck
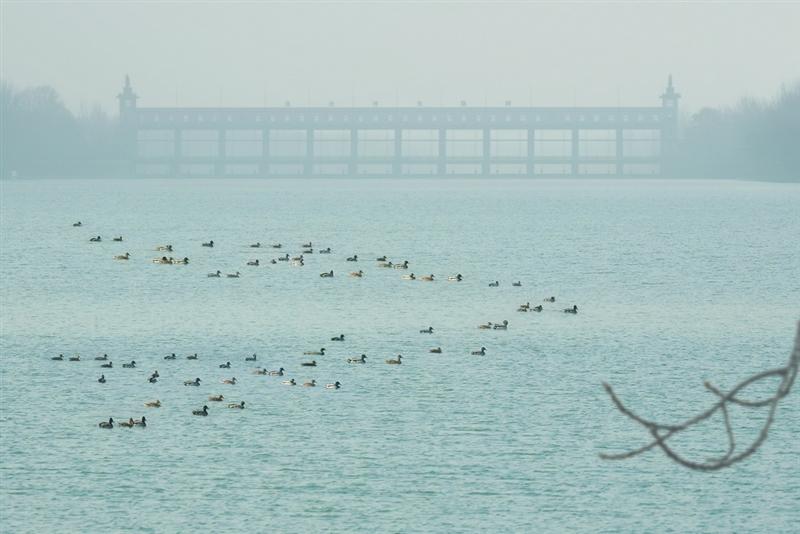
column 299, row 261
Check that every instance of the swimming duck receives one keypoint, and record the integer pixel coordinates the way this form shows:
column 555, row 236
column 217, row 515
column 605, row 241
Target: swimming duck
column 311, row 384
column 354, row 257
column 387, row 264
column 403, row 265
column 107, row 424
column 325, row 250
column 260, row 371
column 226, row 365
column 312, row 363
column 516, row 284
column 437, row 350
column 239, row 405
column 326, row 275
column 253, row 263
column 164, row 248
column 108, row 365
column 140, row 422
column 95, row 239
column 251, row 358
column 125, row 256
column 192, row 356
column 118, row 239
column 340, row 337
column 297, row 258
column 362, row 359
column 217, row 274
column 573, row 309
column 233, row 275
column 481, row 352
column 170, row 356
column 216, row 398
column 320, row 352
column 102, row 379
column 273, row 261
column 409, row 277
column 494, row 284
column 129, row 365
column 209, row 244
column 308, row 245
column 335, row 385
column 427, row 278
column 382, row 258
column 184, row 261
column 299, row 263
column 289, row 382
column 487, row 326
column 550, row 299
column 396, row 361
column 58, row 358
column 503, row 326
column 537, row 308
column 456, row 278
column 279, row 372
column 153, row 404
column 284, row 258
column 152, row 379
column 75, row 358
column 77, row 224
column 357, row 274
column 195, row 382
column 428, row 330
column 202, row 412
column 127, row 424
column 276, row 245
column 256, row 245
column 522, row 309
column 102, row 358
column 230, row 381
column 308, row 251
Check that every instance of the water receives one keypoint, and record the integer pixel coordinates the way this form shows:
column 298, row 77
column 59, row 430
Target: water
column 677, row 282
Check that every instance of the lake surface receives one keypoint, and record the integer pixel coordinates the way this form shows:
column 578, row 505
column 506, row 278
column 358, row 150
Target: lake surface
column 676, row 283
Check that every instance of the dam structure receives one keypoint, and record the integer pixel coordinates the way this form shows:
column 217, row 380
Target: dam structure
column 374, row 141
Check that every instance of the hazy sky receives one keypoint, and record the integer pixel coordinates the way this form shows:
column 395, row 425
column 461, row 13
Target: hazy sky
column 248, row 53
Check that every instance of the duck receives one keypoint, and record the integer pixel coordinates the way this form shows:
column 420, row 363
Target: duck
column 481, row 352
column 428, row 330
column 284, row 258
column 522, row 309
column 251, row 358
column 233, row 275
column 387, row 264
column 229, row 381
column 184, row 261
column 95, row 239
column 437, row 350
column 153, row 404
column 140, row 422
column 217, row 274
column 427, row 278
column 273, row 261
column 202, row 412
column 260, row 371
column 253, row 263
column 396, row 361
column 329, row 274
column 494, row 284
column 108, row 365
column 312, row 363
column 408, row 277
column 77, row 224
column 125, row 256
column 325, row 250
column 335, row 385
column 239, row 405
column 279, row 372
column 276, row 245
column 75, row 358
column 58, row 358
column 340, row 337
column 311, row 384
column 308, row 251
column 573, row 309
column 487, row 326
column 516, row 284
column 456, row 278
column 192, row 356
column 297, row 258
column 170, row 356
column 195, row 382
column 164, row 248
column 354, row 257
column 128, row 424
column 361, row 359
column 382, row 258
column 503, row 326
column 307, row 245
column 102, row 358
column 102, row 379
column 118, row 239
column 153, row 379
column 226, row 365
column 256, row 245
column 107, row 424
column 290, row 382
column 357, row 274
column 403, row 265
column 216, row 398
column 320, row 352
column 537, row 308
column 155, row 374
column 131, row 365
column 550, row 299
column 209, row 244
column 298, row 263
